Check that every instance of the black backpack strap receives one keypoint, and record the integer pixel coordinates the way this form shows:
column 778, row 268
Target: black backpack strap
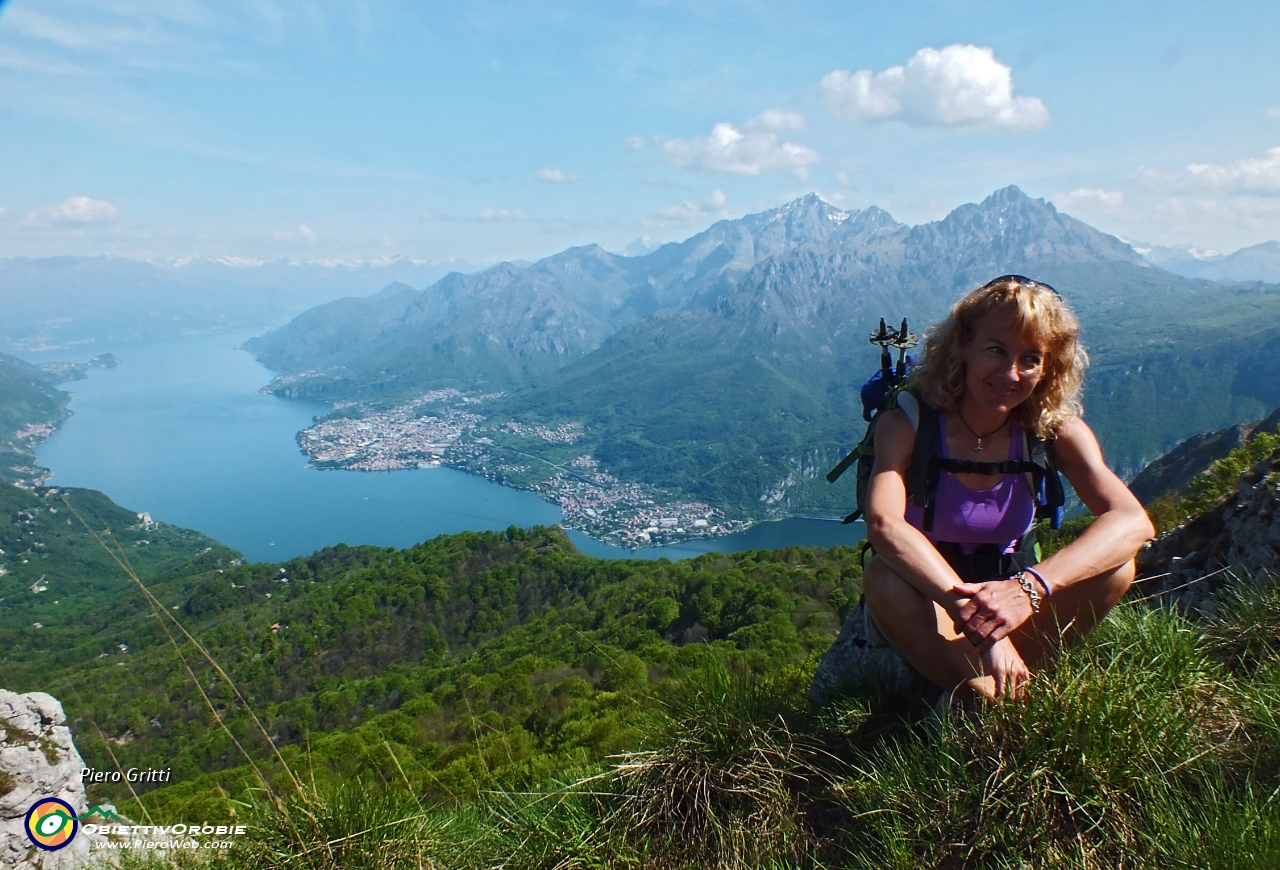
column 922, row 474
column 1049, row 494
column 1009, row 466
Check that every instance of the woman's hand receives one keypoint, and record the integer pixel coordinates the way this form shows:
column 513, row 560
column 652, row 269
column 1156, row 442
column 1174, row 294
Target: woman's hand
column 994, row 610
column 1002, row 663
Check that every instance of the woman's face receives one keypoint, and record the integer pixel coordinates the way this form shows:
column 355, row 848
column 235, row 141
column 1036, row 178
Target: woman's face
column 1003, row 363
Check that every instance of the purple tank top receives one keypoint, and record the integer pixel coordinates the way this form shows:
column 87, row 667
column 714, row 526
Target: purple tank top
column 1000, row 514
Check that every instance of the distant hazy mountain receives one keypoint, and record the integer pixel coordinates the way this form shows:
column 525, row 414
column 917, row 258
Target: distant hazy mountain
column 727, row 366
column 1256, row 263
column 64, row 302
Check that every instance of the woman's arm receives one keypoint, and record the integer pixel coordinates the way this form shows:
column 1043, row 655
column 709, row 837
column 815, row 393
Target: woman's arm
column 994, row 610
column 903, row 547
column 910, row 555
column 1122, row 525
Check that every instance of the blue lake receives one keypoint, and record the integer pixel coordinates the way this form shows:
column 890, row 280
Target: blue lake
column 180, row 430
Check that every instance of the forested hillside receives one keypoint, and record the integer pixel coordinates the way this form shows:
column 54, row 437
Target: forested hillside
column 552, row 655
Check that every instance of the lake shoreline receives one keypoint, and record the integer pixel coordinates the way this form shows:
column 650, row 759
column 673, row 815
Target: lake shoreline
column 180, row 430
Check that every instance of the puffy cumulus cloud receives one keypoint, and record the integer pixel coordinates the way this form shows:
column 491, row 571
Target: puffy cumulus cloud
column 752, row 150
column 74, row 210
column 1089, row 198
column 1257, row 176
column 957, row 86
column 555, row 176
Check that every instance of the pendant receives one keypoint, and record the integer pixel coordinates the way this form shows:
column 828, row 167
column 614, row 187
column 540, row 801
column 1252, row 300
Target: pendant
column 978, row 449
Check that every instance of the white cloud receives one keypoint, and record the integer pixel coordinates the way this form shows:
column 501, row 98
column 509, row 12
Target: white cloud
column 74, row 210
column 555, row 176
column 1272, row 111
column 753, row 150
column 304, row 233
column 775, row 120
column 502, row 215
column 958, row 86
column 685, row 212
column 1257, row 176
column 1088, row 197
column 635, row 143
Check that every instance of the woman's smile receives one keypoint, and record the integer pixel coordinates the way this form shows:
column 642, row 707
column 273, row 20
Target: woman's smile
column 1003, row 365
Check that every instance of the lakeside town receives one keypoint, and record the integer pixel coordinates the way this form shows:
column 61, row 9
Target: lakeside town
column 442, row 428
column 400, row 437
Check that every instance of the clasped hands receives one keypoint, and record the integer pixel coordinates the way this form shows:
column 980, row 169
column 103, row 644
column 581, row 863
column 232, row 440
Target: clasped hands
column 987, row 613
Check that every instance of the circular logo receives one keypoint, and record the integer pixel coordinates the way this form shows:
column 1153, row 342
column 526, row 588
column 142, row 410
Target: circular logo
column 51, row 823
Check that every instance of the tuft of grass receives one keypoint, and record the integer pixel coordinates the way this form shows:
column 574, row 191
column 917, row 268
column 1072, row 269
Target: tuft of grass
column 1246, row 630
column 722, row 785
column 350, row 826
column 569, row 827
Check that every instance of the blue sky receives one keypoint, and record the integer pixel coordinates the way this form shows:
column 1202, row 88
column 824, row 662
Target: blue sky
column 487, row 130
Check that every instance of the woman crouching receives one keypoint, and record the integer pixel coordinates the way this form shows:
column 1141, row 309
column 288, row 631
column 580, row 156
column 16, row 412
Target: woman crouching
column 1005, row 362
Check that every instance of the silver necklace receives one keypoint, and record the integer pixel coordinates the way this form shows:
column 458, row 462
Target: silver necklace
column 981, row 438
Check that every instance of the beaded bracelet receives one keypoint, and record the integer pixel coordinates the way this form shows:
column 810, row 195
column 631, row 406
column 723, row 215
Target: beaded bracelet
column 1043, row 582
column 1029, row 587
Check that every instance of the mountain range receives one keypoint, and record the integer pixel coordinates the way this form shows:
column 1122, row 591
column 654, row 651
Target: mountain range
column 1254, row 263
column 95, row 302
column 726, row 366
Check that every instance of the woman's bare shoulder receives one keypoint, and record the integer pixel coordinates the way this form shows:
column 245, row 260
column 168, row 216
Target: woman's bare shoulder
column 1074, row 433
column 895, row 439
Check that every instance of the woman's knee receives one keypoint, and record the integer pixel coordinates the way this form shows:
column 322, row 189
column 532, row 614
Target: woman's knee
column 1120, row 581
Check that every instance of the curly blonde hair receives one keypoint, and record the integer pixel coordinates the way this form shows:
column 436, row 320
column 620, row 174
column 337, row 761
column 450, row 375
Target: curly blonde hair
column 940, row 376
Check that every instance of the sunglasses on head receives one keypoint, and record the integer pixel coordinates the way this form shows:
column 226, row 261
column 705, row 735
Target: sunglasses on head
column 1027, row 281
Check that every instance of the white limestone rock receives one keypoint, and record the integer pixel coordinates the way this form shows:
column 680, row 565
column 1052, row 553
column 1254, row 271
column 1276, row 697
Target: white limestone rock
column 37, row 760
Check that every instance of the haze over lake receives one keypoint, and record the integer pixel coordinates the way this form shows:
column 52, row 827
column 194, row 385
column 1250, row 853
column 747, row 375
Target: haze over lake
column 180, row 430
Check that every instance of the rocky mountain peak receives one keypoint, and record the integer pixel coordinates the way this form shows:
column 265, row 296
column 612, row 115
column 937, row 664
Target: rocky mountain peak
column 1009, row 230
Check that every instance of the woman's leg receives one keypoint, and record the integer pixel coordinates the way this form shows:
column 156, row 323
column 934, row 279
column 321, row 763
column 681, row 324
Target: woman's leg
column 1071, row 614
column 924, row 633
column 920, row 628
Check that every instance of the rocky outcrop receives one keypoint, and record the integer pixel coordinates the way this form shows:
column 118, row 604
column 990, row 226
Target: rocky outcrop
column 37, row 760
column 862, row 663
column 1236, row 539
column 1173, row 472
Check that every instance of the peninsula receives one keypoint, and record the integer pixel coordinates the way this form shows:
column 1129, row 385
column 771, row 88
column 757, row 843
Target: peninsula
column 447, row 427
